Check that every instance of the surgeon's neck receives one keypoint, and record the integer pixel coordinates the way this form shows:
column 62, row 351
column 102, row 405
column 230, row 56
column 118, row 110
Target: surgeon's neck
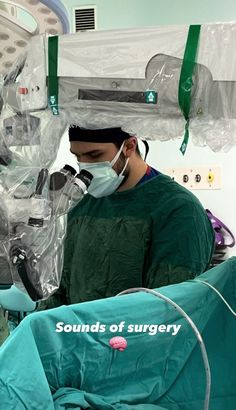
column 137, row 169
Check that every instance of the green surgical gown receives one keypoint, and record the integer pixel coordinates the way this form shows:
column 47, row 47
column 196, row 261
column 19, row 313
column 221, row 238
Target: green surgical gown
column 152, row 235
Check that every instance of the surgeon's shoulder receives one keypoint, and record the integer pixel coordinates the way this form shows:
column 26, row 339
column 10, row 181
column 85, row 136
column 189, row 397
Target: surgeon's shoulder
column 177, row 207
column 165, row 185
column 169, row 192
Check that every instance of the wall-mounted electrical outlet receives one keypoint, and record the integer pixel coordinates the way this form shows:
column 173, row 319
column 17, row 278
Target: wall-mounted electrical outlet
column 196, row 177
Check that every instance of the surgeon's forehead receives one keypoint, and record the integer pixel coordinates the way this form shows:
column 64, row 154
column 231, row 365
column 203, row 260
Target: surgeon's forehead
column 82, row 147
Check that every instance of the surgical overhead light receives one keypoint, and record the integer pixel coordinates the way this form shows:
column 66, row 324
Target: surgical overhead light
column 20, row 20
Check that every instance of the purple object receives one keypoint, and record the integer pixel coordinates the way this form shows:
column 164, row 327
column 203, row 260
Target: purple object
column 219, row 228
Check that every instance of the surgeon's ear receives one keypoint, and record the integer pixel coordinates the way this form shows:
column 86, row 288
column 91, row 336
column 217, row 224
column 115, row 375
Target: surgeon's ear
column 130, row 146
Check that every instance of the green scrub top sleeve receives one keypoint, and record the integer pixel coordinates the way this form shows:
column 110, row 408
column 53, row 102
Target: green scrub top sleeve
column 182, row 244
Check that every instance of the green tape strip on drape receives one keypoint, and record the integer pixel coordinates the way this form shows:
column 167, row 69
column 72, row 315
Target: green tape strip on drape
column 185, row 81
column 52, row 74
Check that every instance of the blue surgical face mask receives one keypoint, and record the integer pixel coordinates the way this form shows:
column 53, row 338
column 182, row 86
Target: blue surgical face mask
column 105, row 180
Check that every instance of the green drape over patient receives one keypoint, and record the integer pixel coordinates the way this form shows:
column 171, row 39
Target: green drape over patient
column 42, row 369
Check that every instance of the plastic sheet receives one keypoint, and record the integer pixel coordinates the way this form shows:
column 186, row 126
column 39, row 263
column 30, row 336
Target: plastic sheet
column 127, row 78
column 33, row 227
column 35, row 200
column 130, row 78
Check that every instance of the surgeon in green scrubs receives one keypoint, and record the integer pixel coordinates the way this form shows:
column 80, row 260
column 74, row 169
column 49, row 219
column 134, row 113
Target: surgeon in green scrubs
column 135, row 227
